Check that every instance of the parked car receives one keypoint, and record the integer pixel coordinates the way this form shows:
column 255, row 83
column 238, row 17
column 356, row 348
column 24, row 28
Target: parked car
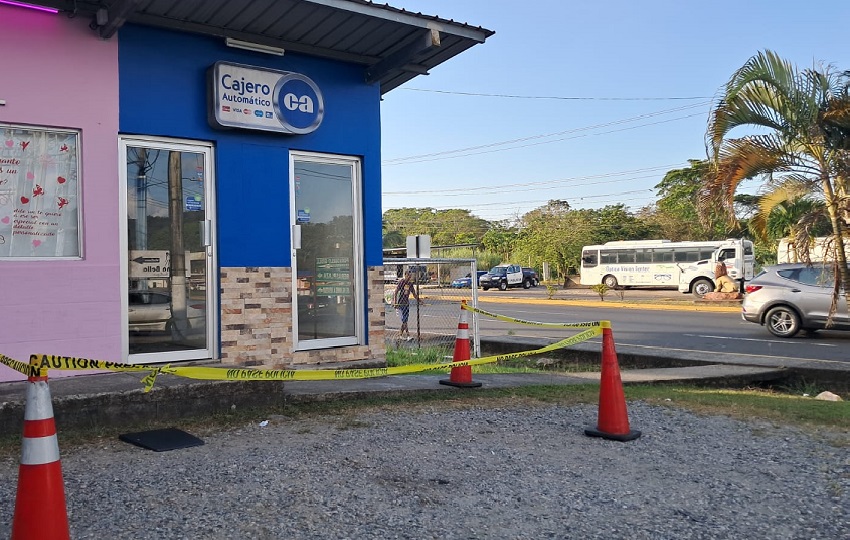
column 466, row 281
column 787, row 298
column 503, row 276
column 151, row 311
column 531, row 274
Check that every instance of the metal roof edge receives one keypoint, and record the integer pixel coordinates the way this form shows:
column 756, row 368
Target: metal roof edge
column 390, row 13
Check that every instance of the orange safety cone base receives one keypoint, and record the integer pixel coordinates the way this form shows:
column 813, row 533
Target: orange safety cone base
column 470, row 384
column 630, row 436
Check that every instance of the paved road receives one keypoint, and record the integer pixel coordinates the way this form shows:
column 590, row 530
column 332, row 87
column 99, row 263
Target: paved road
column 693, row 331
column 650, row 321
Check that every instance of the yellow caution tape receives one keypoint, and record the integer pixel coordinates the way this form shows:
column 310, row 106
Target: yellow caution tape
column 20, row 367
column 41, row 363
column 601, row 324
column 45, row 362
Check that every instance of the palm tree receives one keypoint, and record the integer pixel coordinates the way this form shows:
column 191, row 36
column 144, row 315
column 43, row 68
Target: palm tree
column 802, row 125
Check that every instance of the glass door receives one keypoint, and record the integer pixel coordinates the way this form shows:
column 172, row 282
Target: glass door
column 326, row 252
column 169, row 259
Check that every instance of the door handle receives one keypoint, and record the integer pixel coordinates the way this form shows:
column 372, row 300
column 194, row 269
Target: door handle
column 296, row 237
column 206, row 233
column 796, row 290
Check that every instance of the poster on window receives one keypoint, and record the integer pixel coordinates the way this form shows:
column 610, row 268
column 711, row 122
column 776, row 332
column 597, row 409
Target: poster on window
column 39, row 193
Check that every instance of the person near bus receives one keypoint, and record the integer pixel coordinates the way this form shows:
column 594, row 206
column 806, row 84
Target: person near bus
column 724, row 283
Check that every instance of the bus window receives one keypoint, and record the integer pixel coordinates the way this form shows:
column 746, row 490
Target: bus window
column 608, row 257
column 643, row 255
column 686, row 254
column 662, row 255
column 588, row 259
column 625, row 256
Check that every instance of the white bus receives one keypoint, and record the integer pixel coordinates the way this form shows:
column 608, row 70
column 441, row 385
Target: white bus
column 686, row 266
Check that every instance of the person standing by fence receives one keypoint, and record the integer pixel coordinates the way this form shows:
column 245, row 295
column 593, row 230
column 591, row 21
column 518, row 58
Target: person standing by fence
column 403, row 291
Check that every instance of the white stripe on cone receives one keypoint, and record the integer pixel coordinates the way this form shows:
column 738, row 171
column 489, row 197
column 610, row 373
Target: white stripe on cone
column 40, row 450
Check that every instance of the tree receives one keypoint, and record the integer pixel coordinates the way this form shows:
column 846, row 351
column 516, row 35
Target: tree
column 802, row 125
column 393, row 239
column 446, row 227
column 676, row 212
column 500, row 239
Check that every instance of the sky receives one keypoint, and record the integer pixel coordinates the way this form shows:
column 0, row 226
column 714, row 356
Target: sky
column 609, row 96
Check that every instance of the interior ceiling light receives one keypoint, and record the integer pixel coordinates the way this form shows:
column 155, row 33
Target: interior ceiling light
column 30, row 6
column 256, row 47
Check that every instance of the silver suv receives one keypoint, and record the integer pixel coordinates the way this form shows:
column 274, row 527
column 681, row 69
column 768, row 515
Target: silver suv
column 787, row 298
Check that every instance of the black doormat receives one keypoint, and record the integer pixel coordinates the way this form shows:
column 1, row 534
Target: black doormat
column 162, row 440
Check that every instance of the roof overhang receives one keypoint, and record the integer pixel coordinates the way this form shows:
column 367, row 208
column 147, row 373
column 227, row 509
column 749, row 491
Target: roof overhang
column 393, row 45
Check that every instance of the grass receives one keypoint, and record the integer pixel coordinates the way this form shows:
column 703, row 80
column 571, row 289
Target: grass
column 782, row 404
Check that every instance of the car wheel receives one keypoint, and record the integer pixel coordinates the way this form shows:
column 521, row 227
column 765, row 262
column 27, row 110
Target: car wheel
column 486, row 288
column 526, row 284
column 503, row 286
column 782, row 321
column 535, row 283
column 610, row 282
column 702, row 287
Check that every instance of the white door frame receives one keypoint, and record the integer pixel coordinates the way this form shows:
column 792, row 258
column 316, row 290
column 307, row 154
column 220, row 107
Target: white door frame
column 182, row 145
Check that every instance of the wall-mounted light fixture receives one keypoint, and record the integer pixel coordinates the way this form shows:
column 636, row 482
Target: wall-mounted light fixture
column 30, row 6
column 256, row 47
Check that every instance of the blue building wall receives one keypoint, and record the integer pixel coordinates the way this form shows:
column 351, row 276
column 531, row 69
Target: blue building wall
column 163, row 84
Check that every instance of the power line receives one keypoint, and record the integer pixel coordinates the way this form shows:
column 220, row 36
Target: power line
column 549, row 142
column 422, row 157
column 568, row 98
column 531, row 185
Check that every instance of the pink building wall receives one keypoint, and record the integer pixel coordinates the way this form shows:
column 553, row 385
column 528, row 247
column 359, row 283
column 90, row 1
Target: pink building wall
column 56, row 72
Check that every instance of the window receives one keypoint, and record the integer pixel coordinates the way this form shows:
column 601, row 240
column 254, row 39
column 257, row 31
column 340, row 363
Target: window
column 726, row 254
column 625, row 256
column 686, row 254
column 665, row 255
column 39, row 193
column 815, row 276
column 589, row 259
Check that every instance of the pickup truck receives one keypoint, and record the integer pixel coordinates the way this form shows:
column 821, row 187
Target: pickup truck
column 531, row 274
column 507, row 275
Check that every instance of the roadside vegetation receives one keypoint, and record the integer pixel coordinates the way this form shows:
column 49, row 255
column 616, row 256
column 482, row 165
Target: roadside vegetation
column 786, row 128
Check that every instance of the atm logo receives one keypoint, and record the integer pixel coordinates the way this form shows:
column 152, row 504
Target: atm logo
column 298, row 103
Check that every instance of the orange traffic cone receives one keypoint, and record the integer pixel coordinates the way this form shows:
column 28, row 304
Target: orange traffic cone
column 613, row 422
column 461, row 376
column 40, row 511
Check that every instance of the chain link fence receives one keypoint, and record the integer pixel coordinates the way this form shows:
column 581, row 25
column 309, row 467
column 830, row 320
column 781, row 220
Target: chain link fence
column 441, row 285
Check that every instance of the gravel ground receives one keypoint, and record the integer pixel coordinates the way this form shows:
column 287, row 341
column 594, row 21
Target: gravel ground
column 524, row 472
